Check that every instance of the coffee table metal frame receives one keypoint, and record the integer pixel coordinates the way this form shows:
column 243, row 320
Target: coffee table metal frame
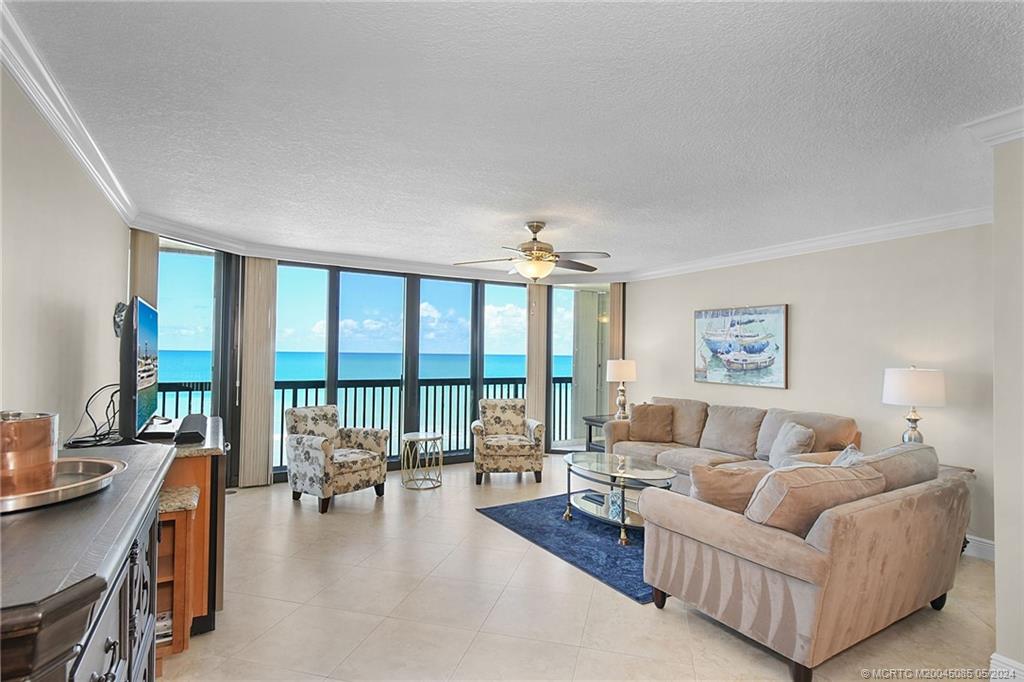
column 422, row 460
column 618, row 484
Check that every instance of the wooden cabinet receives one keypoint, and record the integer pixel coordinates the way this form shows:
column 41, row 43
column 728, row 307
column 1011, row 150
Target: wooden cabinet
column 119, row 645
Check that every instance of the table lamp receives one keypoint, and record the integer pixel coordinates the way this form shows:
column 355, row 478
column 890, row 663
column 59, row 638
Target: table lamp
column 915, row 388
column 621, row 371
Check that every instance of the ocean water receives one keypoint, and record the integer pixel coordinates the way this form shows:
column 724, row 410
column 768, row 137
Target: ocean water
column 194, row 365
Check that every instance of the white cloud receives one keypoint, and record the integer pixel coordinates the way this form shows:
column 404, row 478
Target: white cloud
column 432, row 314
column 373, row 325
column 348, row 326
column 505, row 329
column 319, row 328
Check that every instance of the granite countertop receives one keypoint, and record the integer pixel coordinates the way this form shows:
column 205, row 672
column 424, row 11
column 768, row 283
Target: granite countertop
column 48, row 549
column 213, row 445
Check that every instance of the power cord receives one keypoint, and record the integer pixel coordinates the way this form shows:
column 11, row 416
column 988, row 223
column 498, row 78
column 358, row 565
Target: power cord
column 103, row 433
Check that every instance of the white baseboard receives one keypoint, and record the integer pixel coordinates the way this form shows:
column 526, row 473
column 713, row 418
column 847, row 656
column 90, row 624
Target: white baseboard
column 980, row 548
column 1004, row 663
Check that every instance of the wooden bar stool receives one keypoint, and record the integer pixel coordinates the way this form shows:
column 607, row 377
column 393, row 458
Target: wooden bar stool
column 174, row 571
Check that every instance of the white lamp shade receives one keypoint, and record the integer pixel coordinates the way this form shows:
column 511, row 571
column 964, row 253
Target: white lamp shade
column 915, row 387
column 621, row 370
column 534, row 269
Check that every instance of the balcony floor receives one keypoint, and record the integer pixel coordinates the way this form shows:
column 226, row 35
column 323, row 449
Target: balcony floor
column 418, row 585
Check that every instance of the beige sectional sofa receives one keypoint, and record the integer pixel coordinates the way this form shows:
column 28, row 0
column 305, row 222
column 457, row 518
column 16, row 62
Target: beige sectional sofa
column 862, row 565
column 726, row 435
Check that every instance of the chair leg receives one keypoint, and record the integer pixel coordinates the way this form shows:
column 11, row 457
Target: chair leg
column 800, row 673
column 536, row 476
column 659, row 597
column 325, row 502
column 296, row 495
column 939, row 602
column 379, row 489
column 479, row 477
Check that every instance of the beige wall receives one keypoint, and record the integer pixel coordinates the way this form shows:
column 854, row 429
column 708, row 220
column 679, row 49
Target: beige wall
column 924, row 300
column 1008, row 395
column 65, row 265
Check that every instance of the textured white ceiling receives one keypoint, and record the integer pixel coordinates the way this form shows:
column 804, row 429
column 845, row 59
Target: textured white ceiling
column 429, row 132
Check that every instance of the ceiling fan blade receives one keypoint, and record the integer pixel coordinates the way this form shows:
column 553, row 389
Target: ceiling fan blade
column 489, row 260
column 589, row 255
column 574, row 265
column 512, row 248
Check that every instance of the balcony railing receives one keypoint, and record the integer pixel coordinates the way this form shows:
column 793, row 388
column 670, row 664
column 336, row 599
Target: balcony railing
column 445, row 405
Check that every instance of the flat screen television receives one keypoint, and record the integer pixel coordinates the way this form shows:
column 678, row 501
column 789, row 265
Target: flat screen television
column 138, row 381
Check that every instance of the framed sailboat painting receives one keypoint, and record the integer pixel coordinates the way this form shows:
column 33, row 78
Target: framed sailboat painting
column 743, row 346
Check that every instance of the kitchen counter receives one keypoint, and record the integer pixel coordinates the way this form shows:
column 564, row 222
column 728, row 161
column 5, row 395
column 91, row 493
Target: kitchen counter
column 48, row 549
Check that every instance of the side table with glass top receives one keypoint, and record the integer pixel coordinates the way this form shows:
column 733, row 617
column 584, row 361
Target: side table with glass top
column 621, row 473
column 422, row 460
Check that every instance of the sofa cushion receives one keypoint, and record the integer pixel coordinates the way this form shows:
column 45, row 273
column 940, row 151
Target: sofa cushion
column 726, row 488
column 687, row 419
column 792, row 498
column 651, row 423
column 645, row 450
column 758, row 464
column 682, row 459
column 902, row 465
column 732, row 429
column 831, row 432
column 793, row 439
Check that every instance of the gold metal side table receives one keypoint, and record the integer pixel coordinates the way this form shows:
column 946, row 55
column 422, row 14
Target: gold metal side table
column 422, row 459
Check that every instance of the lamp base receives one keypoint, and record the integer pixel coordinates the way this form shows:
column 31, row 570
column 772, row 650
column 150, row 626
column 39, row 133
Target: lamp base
column 912, row 435
column 620, row 402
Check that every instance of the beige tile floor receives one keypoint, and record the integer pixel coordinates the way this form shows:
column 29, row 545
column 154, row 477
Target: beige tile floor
column 418, row 585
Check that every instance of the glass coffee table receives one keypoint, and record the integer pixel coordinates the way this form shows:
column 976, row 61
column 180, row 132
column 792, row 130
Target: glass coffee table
column 621, row 473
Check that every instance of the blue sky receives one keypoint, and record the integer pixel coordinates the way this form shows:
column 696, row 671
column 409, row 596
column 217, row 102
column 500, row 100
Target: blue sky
column 371, row 315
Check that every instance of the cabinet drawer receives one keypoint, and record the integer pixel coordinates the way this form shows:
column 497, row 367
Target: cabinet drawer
column 104, row 657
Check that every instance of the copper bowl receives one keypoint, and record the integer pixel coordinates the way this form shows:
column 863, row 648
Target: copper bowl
column 28, row 451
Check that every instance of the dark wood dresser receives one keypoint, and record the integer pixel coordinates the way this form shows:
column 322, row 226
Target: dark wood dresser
column 78, row 579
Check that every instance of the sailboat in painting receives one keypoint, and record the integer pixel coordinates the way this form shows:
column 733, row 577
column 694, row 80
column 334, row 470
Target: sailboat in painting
column 735, row 341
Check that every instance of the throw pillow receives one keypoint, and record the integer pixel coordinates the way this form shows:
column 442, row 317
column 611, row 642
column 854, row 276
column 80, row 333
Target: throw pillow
column 792, row 498
column 793, row 439
column 732, row 429
column 905, row 465
column 726, row 488
column 651, row 423
column 851, row 456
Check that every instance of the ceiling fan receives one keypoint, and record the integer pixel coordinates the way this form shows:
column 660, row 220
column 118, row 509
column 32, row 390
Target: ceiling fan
column 535, row 259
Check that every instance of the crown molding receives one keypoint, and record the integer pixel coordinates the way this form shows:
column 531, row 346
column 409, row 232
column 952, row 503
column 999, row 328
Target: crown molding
column 870, row 235
column 24, row 64
column 998, row 128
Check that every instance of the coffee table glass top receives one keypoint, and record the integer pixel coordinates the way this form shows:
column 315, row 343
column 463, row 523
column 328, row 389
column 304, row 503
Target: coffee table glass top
column 619, row 466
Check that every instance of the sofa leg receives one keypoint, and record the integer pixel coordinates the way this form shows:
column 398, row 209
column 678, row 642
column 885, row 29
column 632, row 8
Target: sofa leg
column 325, row 502
column 537, row 476
column 799, row 672
column 939, row 602
column 296, row 495
column 659, row 597
column 379, row 489
column 479, row 477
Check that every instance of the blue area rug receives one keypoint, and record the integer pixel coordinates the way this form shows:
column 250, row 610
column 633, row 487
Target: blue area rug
column 589, row 545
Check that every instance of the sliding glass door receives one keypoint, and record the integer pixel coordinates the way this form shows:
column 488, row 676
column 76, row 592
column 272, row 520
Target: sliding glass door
column 578, row 334
column 371, row 352
column 300, row 370
column 445, row 365
column 504, row 341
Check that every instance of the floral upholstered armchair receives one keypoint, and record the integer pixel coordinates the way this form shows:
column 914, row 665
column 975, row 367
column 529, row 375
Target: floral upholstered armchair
column 325, row 460
column 504, row 440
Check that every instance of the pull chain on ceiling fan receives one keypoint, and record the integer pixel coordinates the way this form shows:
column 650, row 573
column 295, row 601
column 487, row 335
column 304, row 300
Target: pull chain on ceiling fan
column 535, row 259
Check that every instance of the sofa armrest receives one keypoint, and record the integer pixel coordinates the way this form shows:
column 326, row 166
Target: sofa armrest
column 477, row 427
column 535, row 431
column 614, row 431
column 735, row 534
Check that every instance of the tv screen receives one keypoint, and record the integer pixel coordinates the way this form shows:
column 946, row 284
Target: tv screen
column 146, row 363
column 138, row 369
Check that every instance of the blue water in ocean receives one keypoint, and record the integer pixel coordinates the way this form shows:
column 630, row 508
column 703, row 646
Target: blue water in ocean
column 194, row 365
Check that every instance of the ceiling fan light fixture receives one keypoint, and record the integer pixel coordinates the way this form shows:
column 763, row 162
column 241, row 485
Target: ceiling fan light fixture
column 534, row 269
